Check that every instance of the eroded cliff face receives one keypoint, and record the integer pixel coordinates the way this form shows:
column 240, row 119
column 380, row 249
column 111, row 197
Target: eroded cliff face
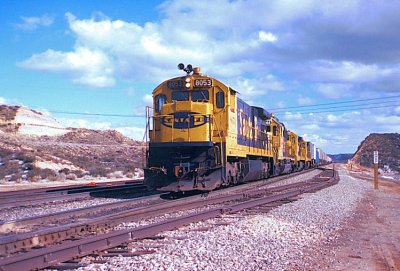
column 34, row 146
column 388, row 146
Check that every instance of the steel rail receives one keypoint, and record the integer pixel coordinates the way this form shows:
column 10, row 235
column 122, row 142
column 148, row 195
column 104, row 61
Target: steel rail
column 26, row 221
column 62, row 188
column 86, row 192
column 43, row 198
column 12, row 244
column 53, row 255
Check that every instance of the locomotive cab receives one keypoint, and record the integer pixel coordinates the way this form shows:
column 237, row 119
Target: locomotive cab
column 185, row 150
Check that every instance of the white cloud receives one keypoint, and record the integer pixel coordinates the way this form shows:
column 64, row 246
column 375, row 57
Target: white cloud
column 84, row 123
column 251, row 88
column 334, row 91
column 3, row 100
column 387, row 120
column 292, row 116
column 148, row 99
column 84, row 66
column 349, row 72
column 302, row 100
column 32, row 23
column 316, row 139
column 280, row 104
column 132, row 132
column 310, row 127
column 267, row 37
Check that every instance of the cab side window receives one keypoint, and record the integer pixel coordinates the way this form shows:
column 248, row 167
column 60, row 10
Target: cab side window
column 160, row 100
column 220, row 99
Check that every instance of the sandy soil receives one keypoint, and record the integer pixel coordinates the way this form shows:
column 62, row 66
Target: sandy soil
column 371, row 240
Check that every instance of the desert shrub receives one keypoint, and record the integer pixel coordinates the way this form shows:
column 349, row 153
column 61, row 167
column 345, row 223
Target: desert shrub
column 35, row 178
column 98, row 171
column 118, row 174
column 44, row 173
column 29, row 159
column 61, row 177
column 52, row 178
column 29, row 166
column 129, row 175
column 71, row 176
column 16, row 178
column 64, row 170
column 111, row 175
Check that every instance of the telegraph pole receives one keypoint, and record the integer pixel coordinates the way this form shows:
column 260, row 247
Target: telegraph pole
column 375, row 169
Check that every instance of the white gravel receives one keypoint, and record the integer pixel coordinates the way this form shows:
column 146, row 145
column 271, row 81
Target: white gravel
column 287, row 238
column 50, row 207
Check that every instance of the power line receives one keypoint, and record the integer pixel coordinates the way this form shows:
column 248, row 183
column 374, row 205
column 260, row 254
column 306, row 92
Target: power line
column 333, row 111
column 341, row 106
column 280, row 111
column 96, row 114
column 351, row 101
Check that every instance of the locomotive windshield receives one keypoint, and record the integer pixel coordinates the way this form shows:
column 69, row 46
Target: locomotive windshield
column 200, row 95
column 180, row 96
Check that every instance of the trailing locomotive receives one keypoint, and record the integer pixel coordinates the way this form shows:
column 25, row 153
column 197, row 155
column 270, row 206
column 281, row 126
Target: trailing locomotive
column 202, row 136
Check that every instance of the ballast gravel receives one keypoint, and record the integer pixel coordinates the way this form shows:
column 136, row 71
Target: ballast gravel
column 50, row 207
column 287, row 238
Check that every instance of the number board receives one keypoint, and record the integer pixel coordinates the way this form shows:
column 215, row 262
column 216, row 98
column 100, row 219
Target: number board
column 175, row 84
column 375, row 157
column 201, row 83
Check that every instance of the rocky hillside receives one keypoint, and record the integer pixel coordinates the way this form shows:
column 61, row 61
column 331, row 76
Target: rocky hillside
column 388, row 146
column 34, row 146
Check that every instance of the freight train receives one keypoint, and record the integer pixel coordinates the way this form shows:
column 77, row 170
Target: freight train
column 202, row 136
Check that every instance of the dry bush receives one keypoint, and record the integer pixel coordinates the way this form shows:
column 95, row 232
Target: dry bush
column 71, row 176
column 35, row 178
column 15, row 178
column 61, row 177
column 111, row 175
column 118, row 174
column 129, row 175
column 52, row 178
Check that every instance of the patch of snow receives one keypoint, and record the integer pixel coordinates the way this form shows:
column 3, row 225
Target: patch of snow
column 387, row 177
column 33, row 123
column 54, row 166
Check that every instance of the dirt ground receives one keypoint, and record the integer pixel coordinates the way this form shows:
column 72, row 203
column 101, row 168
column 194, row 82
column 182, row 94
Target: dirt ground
column 371, row 240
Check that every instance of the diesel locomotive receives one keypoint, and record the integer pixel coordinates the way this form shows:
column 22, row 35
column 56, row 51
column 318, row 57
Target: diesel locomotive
column 203, row 136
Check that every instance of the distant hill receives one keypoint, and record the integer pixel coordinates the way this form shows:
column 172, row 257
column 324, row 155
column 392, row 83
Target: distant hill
column 341, row 158
column 34, row 146
column 388, row 147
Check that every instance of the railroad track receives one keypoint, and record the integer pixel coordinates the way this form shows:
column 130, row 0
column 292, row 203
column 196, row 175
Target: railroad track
column 63, row 188
column 68, row 216
column 227, row 203
column 28, row 197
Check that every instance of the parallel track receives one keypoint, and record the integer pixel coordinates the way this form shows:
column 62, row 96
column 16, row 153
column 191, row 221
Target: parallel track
column 55, row 254
column 11, row 200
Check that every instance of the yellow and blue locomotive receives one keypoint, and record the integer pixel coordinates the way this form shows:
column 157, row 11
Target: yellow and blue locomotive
column 202, row 136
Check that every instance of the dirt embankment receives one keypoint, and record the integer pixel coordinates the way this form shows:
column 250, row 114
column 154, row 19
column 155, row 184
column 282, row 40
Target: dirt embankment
column 371, row 239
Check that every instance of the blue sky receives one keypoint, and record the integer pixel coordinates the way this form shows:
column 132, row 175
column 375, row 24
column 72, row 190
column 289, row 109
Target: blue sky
column 286, row 56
